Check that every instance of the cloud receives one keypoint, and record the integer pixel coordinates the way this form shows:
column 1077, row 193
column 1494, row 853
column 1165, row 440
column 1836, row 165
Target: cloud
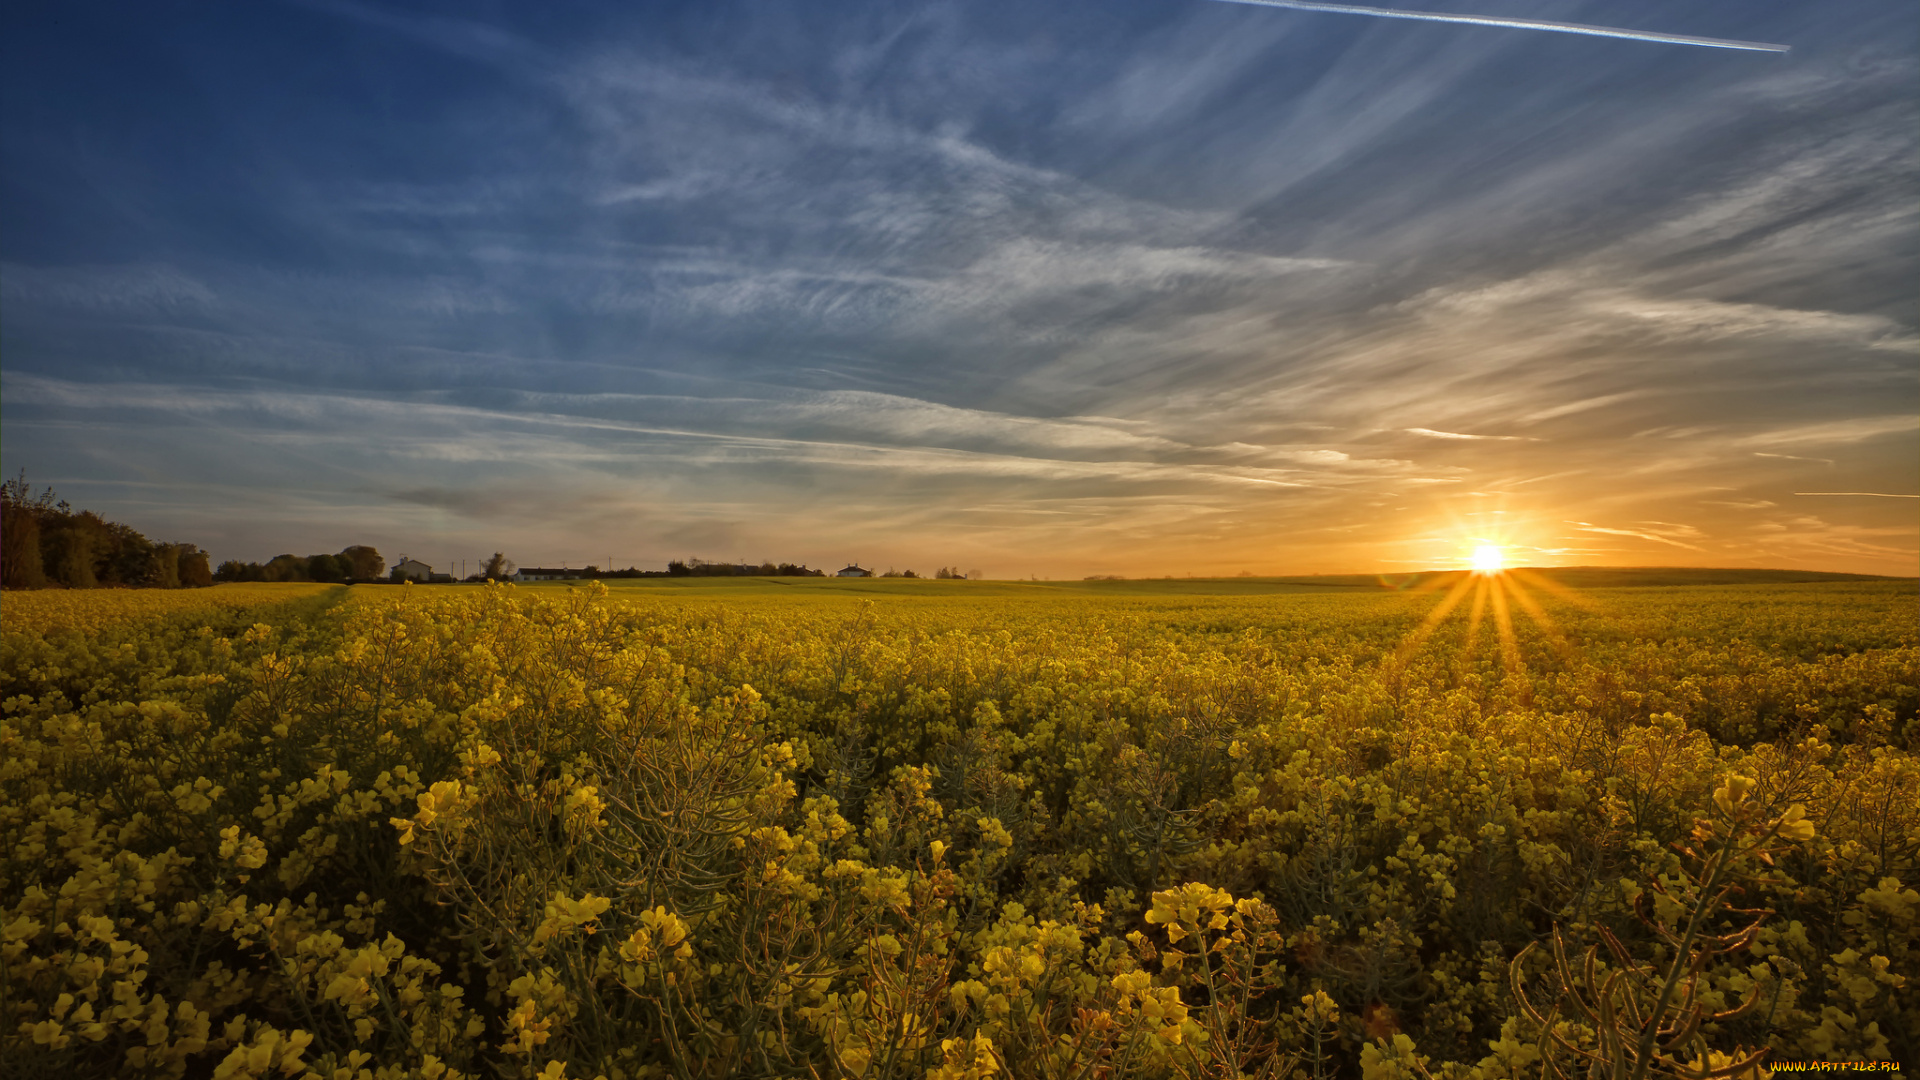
column 1654, row 531
column 1525, row 24
column 841, row 432
column 1837, row 432
column 467, row 38
column 1432, row 434
column 126, row 291
column 1692, row 320
column 1794, row 457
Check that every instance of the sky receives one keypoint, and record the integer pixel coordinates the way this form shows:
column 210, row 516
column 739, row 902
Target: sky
column 1056, row 289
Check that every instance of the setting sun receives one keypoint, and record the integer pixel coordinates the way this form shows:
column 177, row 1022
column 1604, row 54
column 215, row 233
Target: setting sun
column 1489, row 559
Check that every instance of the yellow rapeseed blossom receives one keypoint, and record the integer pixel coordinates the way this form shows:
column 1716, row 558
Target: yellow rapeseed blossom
column 1732, row 792
column 935, row 828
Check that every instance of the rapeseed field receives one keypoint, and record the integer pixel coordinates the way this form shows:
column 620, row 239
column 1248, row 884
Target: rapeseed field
column 958, row 829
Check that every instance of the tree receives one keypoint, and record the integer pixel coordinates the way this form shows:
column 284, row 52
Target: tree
column 324, row 568
column 21, row 566
column 48, row 542
column 285, row 568
column 194, row 571
column 361, row 562
column 70, row 547
column 163, row 567
column 122, row 556
column 498, row 568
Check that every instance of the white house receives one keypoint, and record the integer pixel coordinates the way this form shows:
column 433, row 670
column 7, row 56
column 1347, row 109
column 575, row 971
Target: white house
column 854, row 571
column 413, row 569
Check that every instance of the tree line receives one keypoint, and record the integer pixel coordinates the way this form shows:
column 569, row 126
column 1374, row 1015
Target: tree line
column 45, row 542
column 356, row 563
column 703, row 568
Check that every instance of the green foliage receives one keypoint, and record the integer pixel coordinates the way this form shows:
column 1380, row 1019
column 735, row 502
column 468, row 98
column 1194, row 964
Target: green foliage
column 46, row 543
column 1639, row 1018
column 361, row 563
column 355, row 563
column 504, row 832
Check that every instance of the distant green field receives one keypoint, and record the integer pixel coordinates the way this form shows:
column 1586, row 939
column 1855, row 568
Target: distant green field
column 928, row 587
column 1567, row 577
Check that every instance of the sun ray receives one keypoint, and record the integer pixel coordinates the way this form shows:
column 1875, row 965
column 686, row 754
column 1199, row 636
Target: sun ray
column 1540, row 618
column 1432, row 582
column 1474, row 616
column 1534, row 579
column 1503, row 622
column 1434, row 618
column 1496, row 592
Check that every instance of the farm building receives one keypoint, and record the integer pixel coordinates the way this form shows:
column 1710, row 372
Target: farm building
column 535, row 573
column 412, row 569
column 854, row 571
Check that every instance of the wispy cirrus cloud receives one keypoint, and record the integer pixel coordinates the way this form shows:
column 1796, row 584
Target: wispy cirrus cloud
column 1462, row 436
column 835, row 429
column 1654, row 531
column 108, row 290
column 1835, row 432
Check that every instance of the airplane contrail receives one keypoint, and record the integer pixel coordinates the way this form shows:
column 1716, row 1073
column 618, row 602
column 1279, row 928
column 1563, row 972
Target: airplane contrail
column 1521, row 24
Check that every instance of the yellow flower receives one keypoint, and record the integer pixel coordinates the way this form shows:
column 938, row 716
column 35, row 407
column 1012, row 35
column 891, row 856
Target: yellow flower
column 1794, row 824
column 1732, row 792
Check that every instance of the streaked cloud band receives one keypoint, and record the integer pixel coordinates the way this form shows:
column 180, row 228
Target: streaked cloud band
column 1522, row 24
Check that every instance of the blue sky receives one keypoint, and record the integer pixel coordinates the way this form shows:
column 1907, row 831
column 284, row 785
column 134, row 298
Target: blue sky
column 1059, row 289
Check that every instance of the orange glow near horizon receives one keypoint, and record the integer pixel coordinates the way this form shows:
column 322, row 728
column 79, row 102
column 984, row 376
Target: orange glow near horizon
column 1491, row 533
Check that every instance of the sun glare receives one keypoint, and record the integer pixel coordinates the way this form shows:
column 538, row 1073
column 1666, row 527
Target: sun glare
column 1489, row 559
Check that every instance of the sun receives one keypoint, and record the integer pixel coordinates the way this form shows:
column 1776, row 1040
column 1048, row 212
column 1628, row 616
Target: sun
column 1489, row 559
